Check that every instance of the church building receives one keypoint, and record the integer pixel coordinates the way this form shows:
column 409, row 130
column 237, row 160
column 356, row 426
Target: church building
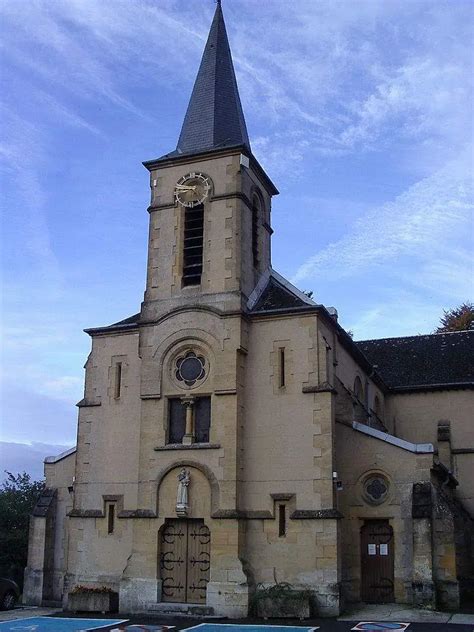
column 233, row 434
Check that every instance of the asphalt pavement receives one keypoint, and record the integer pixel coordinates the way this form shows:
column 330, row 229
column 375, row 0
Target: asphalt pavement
column 182, row 623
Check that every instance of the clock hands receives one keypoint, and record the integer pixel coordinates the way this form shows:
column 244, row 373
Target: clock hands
column 190, row 195
column 184, row 187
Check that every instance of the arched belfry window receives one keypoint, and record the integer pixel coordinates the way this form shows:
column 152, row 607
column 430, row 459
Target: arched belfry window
column 256, row 221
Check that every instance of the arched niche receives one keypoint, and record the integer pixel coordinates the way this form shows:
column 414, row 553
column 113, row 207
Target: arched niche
column 203, row 491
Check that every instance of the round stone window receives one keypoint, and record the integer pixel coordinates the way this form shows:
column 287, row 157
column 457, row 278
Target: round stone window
column 190, row 368
column 376, row 489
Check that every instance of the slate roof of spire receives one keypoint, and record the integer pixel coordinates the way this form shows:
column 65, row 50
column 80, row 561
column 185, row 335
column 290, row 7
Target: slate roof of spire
column 214, row 118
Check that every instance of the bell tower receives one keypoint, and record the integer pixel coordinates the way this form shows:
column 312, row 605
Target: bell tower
column 209, row 238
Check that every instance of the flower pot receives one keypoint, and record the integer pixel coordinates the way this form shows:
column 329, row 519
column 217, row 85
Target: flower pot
column 93, row 601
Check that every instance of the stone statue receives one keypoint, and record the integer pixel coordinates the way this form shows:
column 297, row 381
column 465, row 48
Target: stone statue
column 182, row 504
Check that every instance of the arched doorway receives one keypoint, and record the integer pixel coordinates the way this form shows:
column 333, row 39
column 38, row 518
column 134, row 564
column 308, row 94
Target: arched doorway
column 377, row 559
column 184, row 560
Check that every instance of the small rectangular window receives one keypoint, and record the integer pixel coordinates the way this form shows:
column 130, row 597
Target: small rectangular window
column 282, row 521
column 118, row 380
column 110, row 518
column 281, row 362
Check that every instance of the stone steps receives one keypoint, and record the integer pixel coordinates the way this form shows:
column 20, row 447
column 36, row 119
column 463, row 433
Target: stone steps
column 181, row 609
column 50, row 603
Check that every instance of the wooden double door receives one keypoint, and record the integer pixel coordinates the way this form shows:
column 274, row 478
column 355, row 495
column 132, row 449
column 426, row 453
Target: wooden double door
column 377, row 558
column 185, row 560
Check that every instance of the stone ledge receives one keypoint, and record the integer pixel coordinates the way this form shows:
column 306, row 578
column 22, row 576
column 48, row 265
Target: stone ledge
column 84, row 403
column 86, row 513
column 125, row 513
column 316, row 514
column 417, row 448
column 136, row 513
column 235, row 514
column 191, row 446
column 319, row 388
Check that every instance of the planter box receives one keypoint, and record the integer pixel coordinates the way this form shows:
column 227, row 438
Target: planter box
column 92, row 602
column 284, row 608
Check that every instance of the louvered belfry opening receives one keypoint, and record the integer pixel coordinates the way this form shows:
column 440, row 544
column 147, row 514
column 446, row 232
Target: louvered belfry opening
column 193, row 245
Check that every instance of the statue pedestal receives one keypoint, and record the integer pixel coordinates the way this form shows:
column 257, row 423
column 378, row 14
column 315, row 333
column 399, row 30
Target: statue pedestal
column 182, row 511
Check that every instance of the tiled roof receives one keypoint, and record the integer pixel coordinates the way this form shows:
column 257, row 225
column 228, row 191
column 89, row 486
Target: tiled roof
column 126, row 323
column 274, row 292
column 414, row 362
column 275, row 296
column 214, row 118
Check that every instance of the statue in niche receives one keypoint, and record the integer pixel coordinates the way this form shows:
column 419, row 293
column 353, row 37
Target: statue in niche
column 182, row 504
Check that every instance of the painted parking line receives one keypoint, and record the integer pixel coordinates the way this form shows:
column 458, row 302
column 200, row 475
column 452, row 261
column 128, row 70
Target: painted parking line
column 57, row 624
column 238, row 627
column 143, row 627
column 377, row 626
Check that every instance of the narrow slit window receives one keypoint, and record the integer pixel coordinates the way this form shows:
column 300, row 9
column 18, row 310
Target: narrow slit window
column 281, row 361
column 282, row 521
column 110, row 518
column 118, row 380
column 193, row 245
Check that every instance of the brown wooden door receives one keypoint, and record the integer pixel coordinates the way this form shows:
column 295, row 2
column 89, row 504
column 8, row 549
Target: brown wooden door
column 377, row 557
column 185, row 561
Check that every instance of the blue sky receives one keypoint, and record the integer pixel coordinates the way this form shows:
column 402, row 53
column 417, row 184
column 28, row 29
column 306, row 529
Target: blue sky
column 360, row 111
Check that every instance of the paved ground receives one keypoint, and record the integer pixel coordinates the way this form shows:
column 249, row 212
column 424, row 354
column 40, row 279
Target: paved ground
column 439, row 622
column 401, row 612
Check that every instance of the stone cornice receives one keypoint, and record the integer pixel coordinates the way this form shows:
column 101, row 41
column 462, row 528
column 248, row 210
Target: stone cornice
column 137, row 513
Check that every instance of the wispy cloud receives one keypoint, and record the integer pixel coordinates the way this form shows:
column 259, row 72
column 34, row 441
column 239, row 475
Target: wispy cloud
column 424, row 220
column 382, row 88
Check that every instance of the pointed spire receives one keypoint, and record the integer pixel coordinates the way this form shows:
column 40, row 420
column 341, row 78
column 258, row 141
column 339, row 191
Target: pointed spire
column 214, row 117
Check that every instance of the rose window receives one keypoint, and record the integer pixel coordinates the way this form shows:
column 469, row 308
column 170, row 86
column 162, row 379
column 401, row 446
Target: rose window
column 376, row 489
column 190, row 368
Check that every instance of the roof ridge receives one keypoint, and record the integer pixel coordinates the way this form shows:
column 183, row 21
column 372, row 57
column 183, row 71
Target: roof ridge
column 437, row 333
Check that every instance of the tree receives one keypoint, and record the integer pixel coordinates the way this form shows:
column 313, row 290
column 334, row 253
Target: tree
column 18, row 496
column 457, row 319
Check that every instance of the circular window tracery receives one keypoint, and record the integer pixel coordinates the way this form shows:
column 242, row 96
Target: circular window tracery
column 190, row 368
column 376, row 488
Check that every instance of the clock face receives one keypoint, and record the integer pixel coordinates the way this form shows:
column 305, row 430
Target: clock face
column 192, row 189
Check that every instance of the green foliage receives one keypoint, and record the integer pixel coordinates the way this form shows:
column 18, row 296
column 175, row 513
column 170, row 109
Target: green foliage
column 458, row 319
column 18, row 496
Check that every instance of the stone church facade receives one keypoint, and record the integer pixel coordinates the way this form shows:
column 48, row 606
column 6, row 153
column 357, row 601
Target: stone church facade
column 233, row 434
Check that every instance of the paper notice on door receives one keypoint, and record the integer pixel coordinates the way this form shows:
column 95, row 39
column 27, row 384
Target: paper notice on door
column 372, row 549
column 384, row 549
